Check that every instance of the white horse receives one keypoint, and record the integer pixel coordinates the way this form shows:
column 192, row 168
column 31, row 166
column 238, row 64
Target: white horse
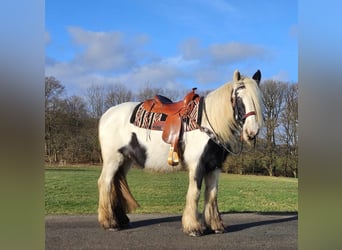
column 233, row 107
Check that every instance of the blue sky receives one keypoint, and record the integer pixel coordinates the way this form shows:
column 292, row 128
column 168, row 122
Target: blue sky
column 172, row 44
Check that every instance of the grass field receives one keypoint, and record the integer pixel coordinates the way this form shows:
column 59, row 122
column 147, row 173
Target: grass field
column 73, row 190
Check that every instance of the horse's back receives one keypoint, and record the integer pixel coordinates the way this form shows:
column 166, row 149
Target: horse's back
column 120, row 112
column 114, row 126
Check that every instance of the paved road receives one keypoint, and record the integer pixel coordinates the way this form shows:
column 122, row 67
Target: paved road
column 244, row 231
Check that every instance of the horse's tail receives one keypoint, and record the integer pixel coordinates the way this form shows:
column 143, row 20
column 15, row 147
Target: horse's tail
column 124, row 195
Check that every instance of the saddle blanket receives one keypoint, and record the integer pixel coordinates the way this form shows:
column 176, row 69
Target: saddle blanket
column 156, row 121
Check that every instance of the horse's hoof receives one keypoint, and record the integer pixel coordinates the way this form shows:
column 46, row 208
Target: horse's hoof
column 208, row 230
column 219, row 231
column 195, row 233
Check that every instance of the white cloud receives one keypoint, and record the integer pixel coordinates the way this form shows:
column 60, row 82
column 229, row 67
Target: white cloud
column 205, row 75
column 109, row 57
column 211, row 64
column 222, row 53
column 64, row 69
column 107, row 51
column 164, row 74
column 191, row 49
column 234, row 52
column 282, row 75
column 156, row 75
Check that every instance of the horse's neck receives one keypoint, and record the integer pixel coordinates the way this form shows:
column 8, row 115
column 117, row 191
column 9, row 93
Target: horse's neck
column 219, row 112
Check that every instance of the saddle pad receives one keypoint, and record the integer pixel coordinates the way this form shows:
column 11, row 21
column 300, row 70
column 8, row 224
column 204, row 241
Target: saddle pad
column 155, row 121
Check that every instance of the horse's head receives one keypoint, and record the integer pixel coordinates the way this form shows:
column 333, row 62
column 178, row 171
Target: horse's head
column 247, row 105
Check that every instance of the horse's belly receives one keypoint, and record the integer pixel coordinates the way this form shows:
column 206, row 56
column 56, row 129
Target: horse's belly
column 157, row 150
column 157, row 153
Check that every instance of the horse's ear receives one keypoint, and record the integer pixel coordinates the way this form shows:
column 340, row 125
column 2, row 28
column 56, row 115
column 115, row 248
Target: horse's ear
column 257, row 77
column 236, row 76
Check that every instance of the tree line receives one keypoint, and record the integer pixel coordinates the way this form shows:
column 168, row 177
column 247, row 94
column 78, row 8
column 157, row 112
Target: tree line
column 71, row 126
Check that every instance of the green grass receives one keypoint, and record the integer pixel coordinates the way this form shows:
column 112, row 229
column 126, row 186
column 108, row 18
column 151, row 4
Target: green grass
column 73, row 190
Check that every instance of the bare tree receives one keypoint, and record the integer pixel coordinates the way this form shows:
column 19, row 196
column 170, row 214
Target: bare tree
column 53, row 99
column 53, row 92
column 76, row 107
column 71, row 125
column 74, row 119
column 147, row 93
column 117, row 94
column 273, row 99
column 96, row 100
column 289, row 122
column 76, row 110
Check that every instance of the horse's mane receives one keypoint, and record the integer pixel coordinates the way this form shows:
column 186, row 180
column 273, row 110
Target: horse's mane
column 220, row 112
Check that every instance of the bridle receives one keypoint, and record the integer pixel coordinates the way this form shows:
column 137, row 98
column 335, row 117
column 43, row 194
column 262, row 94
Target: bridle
column 240, row 117
column 240, row 114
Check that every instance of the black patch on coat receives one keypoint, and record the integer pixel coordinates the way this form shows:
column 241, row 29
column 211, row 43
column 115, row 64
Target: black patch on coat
column 212, row 158
column 134, row 113
column 135, row 151
column 200, row 110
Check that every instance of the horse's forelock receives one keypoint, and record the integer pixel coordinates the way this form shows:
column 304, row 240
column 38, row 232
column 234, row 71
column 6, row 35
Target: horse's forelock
column 255, row 93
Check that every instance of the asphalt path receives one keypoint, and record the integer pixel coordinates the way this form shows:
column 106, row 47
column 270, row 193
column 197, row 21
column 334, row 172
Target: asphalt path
column 160, row 231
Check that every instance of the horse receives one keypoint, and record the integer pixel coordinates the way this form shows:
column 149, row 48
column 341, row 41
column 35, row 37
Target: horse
column 234, row 107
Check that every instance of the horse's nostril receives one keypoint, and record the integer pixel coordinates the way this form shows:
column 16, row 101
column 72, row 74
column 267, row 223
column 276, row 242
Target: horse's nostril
column 251, row 137
column 252, row 134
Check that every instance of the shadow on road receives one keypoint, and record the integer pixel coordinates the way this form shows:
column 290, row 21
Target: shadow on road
column 230, row 228
column 243, row 226
column 158, row 231
column 149, row 222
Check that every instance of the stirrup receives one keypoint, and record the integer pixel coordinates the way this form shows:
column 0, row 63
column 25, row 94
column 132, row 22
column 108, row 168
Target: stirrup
column 172, row 158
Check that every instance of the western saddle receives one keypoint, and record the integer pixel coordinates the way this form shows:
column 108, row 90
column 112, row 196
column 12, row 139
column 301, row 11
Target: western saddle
column 176, row 112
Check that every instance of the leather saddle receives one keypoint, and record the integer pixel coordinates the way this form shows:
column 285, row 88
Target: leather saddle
column 173, row 126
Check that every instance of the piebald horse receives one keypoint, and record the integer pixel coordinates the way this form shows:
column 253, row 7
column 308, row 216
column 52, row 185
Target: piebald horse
column 232, row 109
